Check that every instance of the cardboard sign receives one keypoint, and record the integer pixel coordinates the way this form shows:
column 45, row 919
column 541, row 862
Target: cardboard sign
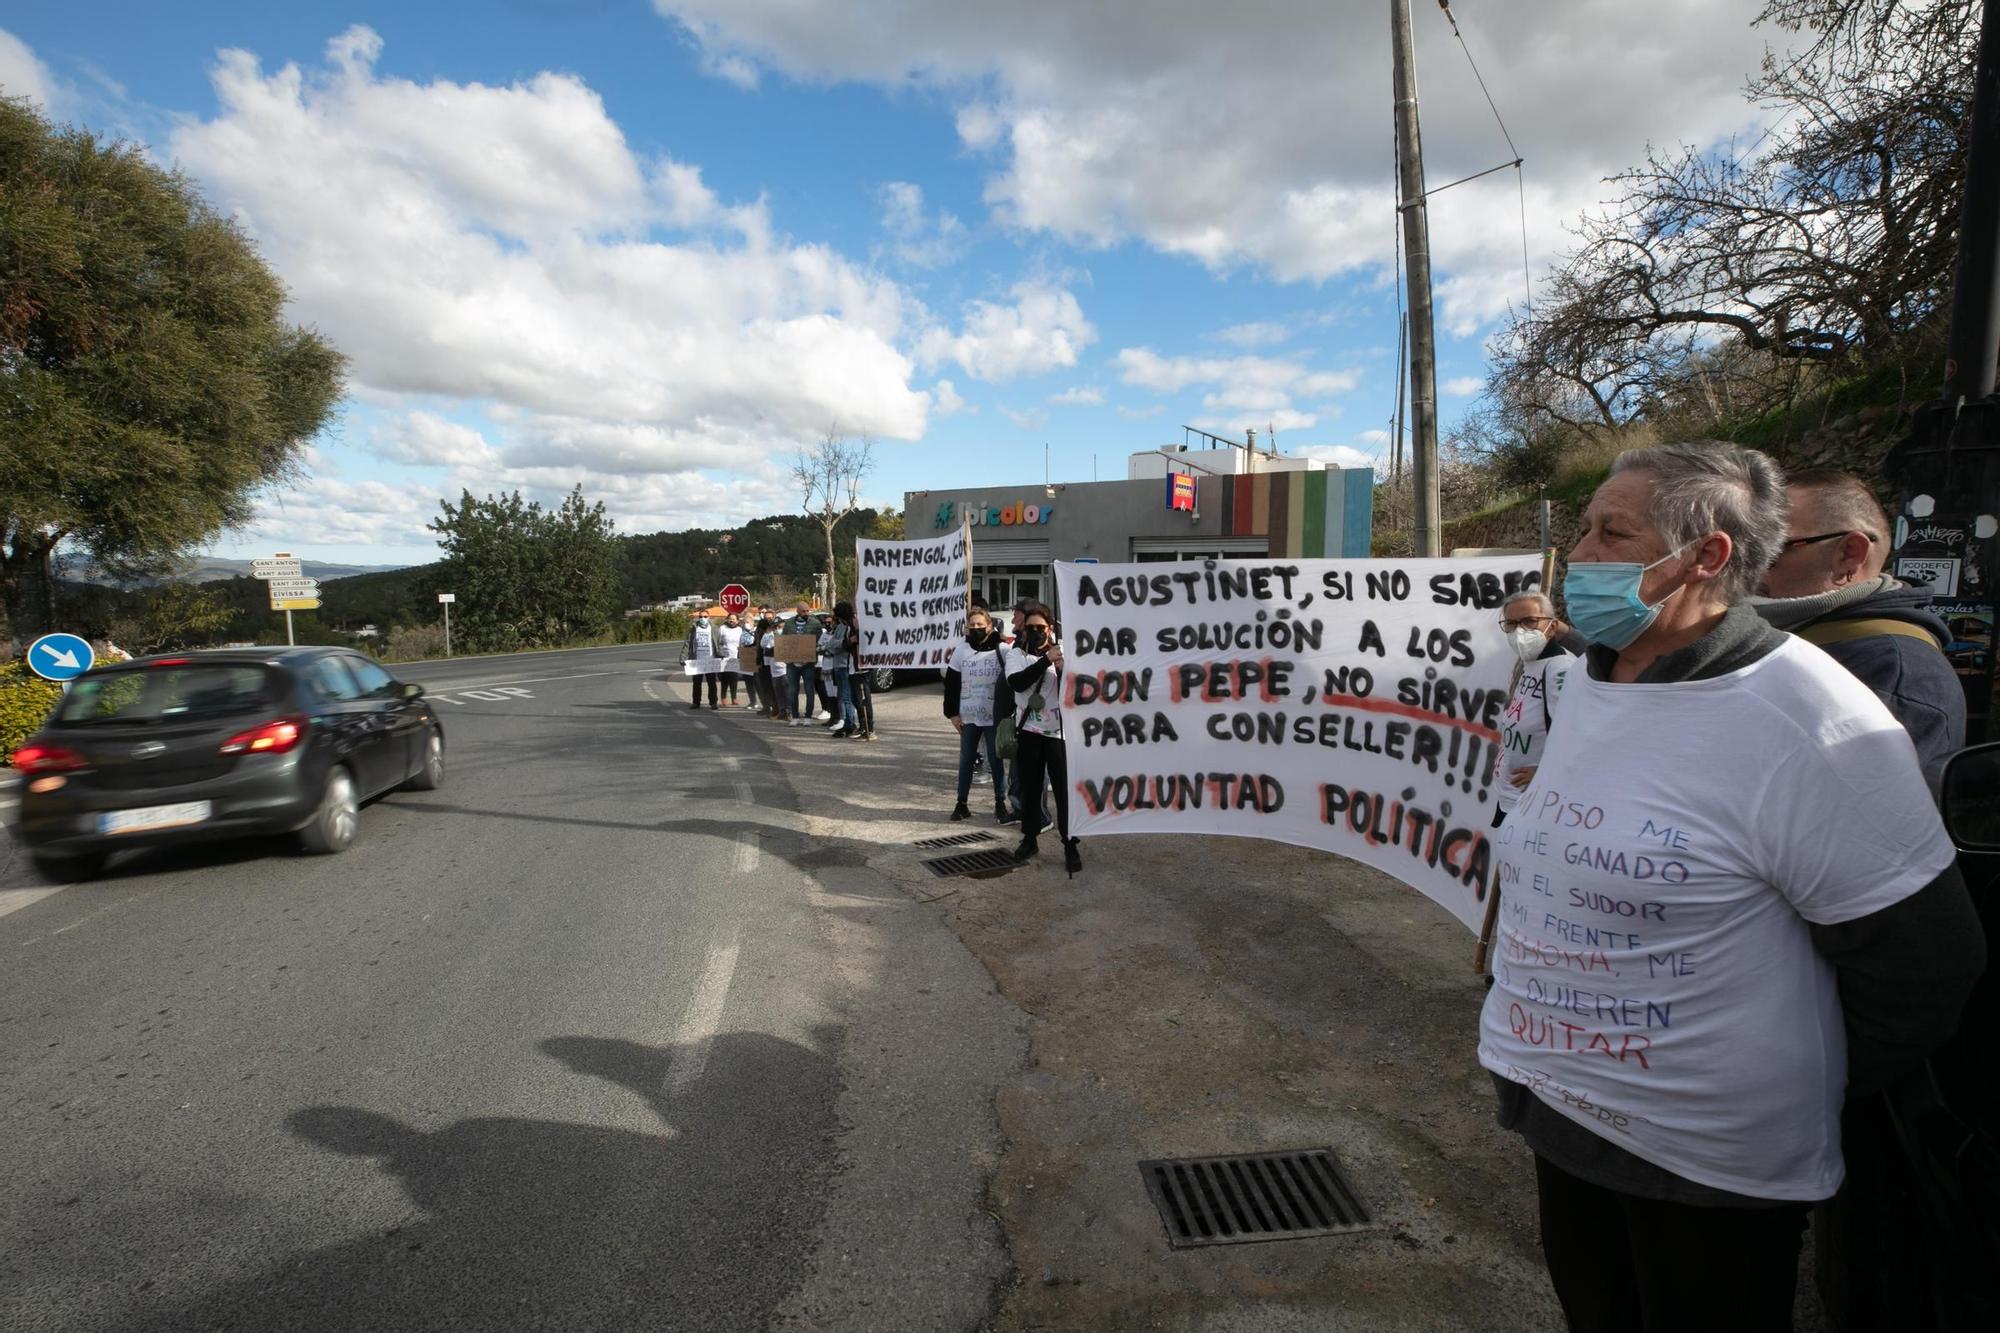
column 911, row 605
column 747, row 658
column 796, row 649
column 1348, row 705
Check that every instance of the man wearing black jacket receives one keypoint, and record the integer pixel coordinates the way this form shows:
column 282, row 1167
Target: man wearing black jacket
column 1827, row 587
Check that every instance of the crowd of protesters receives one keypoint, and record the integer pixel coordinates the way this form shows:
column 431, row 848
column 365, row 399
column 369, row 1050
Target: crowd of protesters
column 739, row 662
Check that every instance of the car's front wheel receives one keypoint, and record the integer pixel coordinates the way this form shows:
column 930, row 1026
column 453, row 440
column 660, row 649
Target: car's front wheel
column 883, row 679
column 430, row 773
column 71, row 869
column 338, row 817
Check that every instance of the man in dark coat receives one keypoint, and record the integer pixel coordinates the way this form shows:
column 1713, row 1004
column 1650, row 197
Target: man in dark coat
column 1828, row 588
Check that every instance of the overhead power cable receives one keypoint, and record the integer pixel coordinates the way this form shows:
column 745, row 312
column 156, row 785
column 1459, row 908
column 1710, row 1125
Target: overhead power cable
column 1520, row 185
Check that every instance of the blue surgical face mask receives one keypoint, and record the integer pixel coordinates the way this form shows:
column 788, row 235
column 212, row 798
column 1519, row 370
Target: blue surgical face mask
column 1604, row 602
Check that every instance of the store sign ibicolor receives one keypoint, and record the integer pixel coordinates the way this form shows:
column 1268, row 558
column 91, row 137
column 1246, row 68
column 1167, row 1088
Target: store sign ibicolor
column 992, row 516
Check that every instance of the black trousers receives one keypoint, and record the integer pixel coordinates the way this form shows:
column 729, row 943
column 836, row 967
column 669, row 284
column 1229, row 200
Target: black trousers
column 731, row 682
column 1042, row 759
column 694, row 691
column 1623, row 1264
column 864, row 700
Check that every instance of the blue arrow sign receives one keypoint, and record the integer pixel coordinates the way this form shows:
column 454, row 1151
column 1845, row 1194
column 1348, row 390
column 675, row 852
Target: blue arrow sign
column 60, row 656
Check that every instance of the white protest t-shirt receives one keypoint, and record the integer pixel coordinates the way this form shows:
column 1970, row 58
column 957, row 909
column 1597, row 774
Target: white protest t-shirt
column 1046, row 720
column 765, row 644
column 978, row 680
column 1655, row 980
column 731, row 640
column 1524, row 724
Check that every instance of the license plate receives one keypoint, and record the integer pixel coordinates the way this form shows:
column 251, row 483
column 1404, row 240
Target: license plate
column 153, row 817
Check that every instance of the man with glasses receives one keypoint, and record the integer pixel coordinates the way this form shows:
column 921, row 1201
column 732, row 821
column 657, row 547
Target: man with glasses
column 1827, row 587
column 1545, row 647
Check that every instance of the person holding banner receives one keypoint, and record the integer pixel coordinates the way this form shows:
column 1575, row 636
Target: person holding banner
column 729, row 642
column 777, row 696
column 802, row 678
column 840, row 661
column 971, row 682
column 1034, row 669
column 701, row 664
column 1546, row 648
column 1728, row 898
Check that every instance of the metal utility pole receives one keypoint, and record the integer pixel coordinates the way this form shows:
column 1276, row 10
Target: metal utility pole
column 1417, row 258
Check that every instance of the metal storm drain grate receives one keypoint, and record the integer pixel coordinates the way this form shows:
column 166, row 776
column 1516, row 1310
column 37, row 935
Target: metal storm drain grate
column 970, row 863
column 1252, row 1197
column 955, row 840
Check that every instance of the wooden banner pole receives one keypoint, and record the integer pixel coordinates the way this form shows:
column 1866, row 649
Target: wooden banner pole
column 1484, row 951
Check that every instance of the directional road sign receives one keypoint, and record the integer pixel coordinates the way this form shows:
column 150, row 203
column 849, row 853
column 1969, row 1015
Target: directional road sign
column 447, row 597
column 735, row 599
column 294, row 587
column 277, row 567
column 295, row 603
column 60, row 656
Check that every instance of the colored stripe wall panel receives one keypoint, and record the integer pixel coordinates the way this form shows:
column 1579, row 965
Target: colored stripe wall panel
column 1260, row 504
column 1358, row 527
column 1295, row 513
column 1312, row 528
column 1281, row 513
column 1222, row 494
column 1336, row 512
column 1245, row 508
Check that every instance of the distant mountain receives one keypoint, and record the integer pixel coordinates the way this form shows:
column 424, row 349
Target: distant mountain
column 207, row 571
column 214, row 570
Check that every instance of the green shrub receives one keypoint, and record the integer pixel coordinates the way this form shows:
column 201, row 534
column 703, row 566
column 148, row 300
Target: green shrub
column 25, row 701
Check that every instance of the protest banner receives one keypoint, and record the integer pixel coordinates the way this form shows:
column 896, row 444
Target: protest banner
column 1348, row 705
column 912, row 600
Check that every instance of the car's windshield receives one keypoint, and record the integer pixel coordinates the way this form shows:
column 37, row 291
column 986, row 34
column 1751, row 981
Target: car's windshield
column 166, row 694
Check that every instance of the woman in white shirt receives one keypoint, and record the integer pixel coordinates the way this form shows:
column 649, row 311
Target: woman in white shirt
column 730, row 643
column 1035, row 675
column 971, row 682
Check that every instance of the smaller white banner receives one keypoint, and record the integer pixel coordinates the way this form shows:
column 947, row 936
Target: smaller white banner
column 912, row 598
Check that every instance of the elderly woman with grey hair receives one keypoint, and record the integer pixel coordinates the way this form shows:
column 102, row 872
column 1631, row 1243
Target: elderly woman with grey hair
column 1546, row 648
column 1729, row 899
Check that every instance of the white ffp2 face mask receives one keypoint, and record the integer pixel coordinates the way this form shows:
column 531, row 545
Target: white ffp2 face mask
column 1528, row 643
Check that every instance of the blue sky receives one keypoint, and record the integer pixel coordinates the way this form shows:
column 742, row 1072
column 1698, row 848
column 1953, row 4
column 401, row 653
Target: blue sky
column 653, row 248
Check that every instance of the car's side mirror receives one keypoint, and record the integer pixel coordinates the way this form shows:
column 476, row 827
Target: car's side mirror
column 1971, row 798
column 413, row 691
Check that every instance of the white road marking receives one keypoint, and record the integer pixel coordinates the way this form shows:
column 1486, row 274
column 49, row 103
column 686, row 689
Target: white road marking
column 743, row 793
column 716, row 741
column 731, row 763
column 13, row 900
column 748, row 852
column 702, row 1018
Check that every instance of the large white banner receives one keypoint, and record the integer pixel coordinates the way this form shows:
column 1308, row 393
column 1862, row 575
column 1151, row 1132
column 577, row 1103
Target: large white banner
column 911, row 607
column 1349, row 705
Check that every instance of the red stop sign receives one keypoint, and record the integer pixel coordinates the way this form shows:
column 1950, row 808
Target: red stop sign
column 735, row 599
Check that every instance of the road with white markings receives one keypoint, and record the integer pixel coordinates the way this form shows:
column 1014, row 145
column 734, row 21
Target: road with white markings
column 582, row 1040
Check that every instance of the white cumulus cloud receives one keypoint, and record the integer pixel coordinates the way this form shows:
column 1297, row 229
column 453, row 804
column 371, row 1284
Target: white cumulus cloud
column 22, row 74
column 1043, row 329
column 1083, row 395
column 1464, row 386
column 917, row 238
column 1085, row 114
column 504, row 246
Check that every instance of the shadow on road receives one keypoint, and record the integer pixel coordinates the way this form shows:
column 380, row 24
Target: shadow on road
column 705, row 1223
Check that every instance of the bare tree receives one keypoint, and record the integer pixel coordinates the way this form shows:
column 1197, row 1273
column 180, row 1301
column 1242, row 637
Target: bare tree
column 829, row 477
column 1722, row 281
